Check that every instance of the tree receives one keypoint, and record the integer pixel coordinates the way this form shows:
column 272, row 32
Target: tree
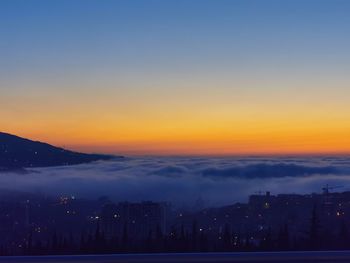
column 314, row 233
column 283, row 238
column 343, row 240
column 125, row 239
column 194, row 236
column 227, row 245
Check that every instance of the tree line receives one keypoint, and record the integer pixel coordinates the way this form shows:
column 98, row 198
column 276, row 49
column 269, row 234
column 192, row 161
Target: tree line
column 315, row 237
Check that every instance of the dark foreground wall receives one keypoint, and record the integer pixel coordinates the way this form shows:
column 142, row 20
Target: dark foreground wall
column 290, row 257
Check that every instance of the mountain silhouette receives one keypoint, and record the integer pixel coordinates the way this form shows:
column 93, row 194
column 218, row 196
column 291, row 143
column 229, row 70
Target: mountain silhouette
column 17, row 153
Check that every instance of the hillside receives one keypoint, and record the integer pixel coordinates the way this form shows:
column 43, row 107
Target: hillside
column 17, row 152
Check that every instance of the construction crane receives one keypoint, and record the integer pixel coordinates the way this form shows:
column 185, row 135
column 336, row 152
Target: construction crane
column 326, row 188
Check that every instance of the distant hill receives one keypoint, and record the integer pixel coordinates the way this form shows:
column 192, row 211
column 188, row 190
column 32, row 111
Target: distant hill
column 17, row 153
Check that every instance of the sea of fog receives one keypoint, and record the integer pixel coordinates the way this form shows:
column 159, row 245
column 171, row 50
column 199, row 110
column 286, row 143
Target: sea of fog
column 185, row 181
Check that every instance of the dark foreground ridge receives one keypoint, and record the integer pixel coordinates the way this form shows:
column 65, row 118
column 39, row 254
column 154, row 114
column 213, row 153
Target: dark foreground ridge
column 247, row 257
column 17, row 153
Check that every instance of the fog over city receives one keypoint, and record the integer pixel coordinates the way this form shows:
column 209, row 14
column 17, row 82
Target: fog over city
column 185, row 181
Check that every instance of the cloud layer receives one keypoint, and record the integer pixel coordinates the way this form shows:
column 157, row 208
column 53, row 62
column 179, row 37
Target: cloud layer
column 184, row 181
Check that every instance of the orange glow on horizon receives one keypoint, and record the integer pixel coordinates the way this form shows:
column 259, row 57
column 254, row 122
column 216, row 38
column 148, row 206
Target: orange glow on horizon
column 209, row 124
column 277, row 142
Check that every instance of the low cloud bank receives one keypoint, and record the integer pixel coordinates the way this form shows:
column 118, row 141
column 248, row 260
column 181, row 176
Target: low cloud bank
column 268, row 170
column 184, row 181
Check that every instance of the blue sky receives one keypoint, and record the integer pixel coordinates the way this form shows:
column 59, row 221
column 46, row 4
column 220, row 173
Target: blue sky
column 85, row 54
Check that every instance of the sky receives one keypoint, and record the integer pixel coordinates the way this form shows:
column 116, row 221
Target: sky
column 176, row 77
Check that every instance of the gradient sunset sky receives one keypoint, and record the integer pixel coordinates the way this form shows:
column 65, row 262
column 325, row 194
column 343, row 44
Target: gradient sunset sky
column 177, row 77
